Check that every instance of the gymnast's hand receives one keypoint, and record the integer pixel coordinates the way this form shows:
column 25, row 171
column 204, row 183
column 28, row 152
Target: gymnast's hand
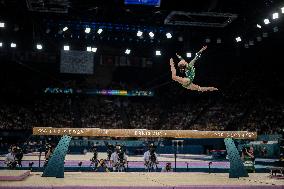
column 203, row 48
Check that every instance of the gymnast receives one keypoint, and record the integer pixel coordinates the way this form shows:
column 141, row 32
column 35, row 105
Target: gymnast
column 189, row 70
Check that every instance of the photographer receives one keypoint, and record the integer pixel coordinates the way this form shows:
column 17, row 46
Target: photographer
column 19, row 156
column 118, row 159
column 110, row 149
column 10, row 159
column 150, row 158
column 167, row 168
column 94, row 160
column 14, row 158
column 102, row 167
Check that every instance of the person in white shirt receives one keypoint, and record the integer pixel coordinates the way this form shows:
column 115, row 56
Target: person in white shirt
column 151, row 159
column 118, row 159
column 10, row 159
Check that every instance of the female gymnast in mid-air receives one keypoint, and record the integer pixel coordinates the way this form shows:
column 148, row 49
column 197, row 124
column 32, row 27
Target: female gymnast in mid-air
column 189, row 70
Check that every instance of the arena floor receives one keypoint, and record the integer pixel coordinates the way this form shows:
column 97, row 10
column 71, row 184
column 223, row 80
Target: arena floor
column 144, row 180
column 185, row 162
column 88, row 156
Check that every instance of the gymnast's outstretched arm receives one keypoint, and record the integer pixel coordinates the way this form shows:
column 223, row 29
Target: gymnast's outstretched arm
column 192, row 62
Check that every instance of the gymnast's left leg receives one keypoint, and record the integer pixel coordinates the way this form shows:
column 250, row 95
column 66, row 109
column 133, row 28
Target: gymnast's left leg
column 195, row 87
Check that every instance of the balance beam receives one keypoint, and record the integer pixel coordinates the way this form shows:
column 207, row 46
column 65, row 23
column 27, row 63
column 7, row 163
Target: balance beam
column 143, row 133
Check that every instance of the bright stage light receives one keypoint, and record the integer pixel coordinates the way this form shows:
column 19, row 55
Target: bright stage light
column 169, row 35
column 66, row 48
column 2, row 25
column 188, row 55
column 139, row 33
column 87, row 30
column 238, row 39
column 266, row 21
column 158, row 53
column 257, row 25
column 282, row 10
column 65, row 28
column 13, row 45
column 127, row 51
column 89, row 49
column 100, row 31
column 275, row 15
column 1, row 44
column 94, row 49
column 39, row 46
column 151, row 34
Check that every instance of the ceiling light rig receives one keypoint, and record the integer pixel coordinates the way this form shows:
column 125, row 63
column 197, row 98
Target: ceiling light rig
column 266, row 21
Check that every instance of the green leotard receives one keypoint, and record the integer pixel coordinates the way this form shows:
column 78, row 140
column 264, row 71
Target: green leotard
column 190, row 74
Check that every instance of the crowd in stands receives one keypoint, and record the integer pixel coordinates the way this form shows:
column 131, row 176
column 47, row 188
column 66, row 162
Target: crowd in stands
column 146, row 113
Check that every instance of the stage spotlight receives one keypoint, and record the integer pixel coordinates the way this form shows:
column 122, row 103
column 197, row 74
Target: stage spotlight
column 158, row 53
column 87, row 30
column 39, row 46
column 266, row 21
column 100, row 31
column 13, row 45
column 127, row 51
column 94, row 49
column 65, row 28
column 1, row 44
column 89, row 49
column 282, row 10
column 66, row 48
column 2, row 25
column 219, row 41
column 207, row 40
column 151, row 34
column 257, row 25
column 275, row 15
column 238, row 39
column 169, row 35
column 139, row 33
column 188, row 55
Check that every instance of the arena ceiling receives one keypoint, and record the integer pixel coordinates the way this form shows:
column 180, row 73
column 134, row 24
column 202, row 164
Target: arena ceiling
column 197, row 19
column 116, row 11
